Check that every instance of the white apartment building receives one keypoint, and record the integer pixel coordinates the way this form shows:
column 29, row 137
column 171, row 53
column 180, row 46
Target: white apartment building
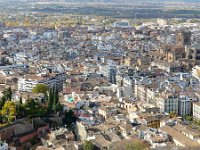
column 185, row 103
column 27, row 82
column 196, row 72
column 168, row 103
column 196, row 110
column 128, row 85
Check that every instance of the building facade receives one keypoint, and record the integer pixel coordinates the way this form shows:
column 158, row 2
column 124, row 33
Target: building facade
column 28, row 82
column 196, row 110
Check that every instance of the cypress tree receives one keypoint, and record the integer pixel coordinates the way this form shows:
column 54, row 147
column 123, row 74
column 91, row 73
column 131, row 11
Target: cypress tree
column 20, row 100
column 50, row 100
column 56, row 96
column 54, row 100
column 3, row 100
column 9, row 93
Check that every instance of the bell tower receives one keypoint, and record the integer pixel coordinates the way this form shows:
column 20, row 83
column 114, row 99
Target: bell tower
column 183, row 38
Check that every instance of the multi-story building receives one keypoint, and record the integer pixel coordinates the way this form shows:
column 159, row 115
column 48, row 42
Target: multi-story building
column 142, row 92
column 27, row 82
column 196, row 72
column 152, row 92
column 128, row 84
column 152, row 122
column 183, row 38
column 168, row 103
column 109, row 72
column 107, row 112
column 185, row 104
column 196, row 110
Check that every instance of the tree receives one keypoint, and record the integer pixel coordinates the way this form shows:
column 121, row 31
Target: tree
column 54, row 105
column 59, row 107
column 34, row 108
column 69, row 118
column 55, row 100
column 50, row 100
column 9, row 94
column 40, row 88
column 196, row 122
column 9, row 111
column 56, row 96
column 20, row 108
column 187, row 118
column 20, row 100
column 88, row 145
column 2, row 102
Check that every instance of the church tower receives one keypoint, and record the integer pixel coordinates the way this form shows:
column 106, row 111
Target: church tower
column 183, row 38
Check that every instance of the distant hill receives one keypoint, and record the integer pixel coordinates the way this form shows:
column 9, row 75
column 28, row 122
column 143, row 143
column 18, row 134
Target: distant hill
column 102, row 1
column 105, row 1
column 117, row 1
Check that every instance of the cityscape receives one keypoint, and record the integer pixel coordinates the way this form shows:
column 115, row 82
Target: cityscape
column 99, row 75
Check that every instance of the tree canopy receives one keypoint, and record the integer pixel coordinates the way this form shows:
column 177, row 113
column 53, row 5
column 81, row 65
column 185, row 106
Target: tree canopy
column 40, row 88
column 88, row 145
column 34, row 108
column 69, row 118
column 7, row 95
column 53, row 101
column 9, row 111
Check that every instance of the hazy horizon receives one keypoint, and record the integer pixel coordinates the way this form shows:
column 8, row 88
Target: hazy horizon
column 82, row 1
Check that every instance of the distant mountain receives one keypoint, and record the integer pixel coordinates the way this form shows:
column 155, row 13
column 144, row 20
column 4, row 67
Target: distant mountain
column 105, row 1
column 102, row 1
column 121, row 0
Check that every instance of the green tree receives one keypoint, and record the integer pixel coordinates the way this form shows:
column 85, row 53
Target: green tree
column 59, row 107
column 196, row 122
column 20, row 108
column 34, row 108
column 56, row 96
column 40, row 88
column 55, row 100
column 88, row 145
column 50, row 100
column 187, row 118
column 69, row 118
column 9, row 111
column 54, row 106
column 20, row 100
column 9, row 94
column 2, row 102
